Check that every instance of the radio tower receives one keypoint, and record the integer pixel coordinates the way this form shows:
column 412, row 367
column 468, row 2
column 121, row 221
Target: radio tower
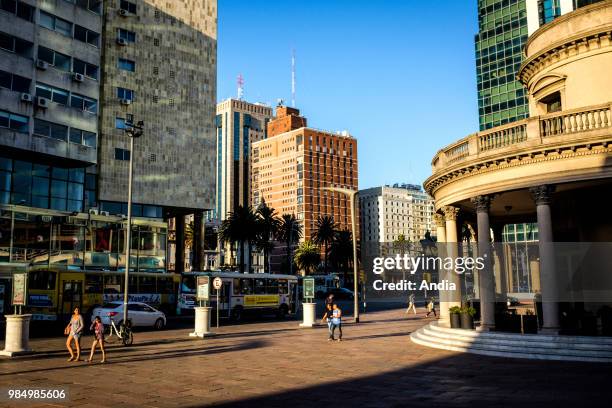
column 293, row 78
column 240, row 82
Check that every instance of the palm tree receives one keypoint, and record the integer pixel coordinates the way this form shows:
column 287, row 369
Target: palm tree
column 324, row 235
column 290, row 232
column 307, row 257
column 241, row 227
column 268, row 224
column 341, row 251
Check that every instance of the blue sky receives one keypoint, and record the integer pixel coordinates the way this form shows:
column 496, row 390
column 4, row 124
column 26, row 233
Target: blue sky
column 398, row 74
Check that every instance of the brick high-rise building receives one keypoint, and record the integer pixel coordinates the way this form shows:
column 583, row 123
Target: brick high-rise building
column 295, row 161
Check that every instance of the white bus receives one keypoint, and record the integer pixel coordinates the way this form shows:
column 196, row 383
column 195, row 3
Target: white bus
column 242, row 293
column 323, row 283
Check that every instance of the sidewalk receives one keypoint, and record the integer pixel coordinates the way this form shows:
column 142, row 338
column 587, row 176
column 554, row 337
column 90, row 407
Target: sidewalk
column 274, row 363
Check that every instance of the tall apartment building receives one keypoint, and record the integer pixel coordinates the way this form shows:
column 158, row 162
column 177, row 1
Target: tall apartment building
column 73, row 73
column 239, row 124
column 503, row 28
column 295, row 161
column 390, row 211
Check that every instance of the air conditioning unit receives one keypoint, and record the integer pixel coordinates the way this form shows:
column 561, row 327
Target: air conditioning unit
column 122, row 41
column 42, row 102
column 125, row 101
column 40, row 64
column 26, row 97
column 105, row 213
column 93, row 211
column 123, row 12
column 76, row 77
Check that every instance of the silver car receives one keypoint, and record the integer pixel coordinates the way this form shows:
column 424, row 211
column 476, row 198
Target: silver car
column 139, row 314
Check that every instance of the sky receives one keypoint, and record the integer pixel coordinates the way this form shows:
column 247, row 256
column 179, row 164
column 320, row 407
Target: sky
column 399, row 75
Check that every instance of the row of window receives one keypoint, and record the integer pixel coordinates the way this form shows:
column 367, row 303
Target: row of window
column 64, row 97
column 14, row 82
column 61, row 132
column 13, row 121
column 18, row 8
column 66, row 63
column 16, row 45
column 69, row 29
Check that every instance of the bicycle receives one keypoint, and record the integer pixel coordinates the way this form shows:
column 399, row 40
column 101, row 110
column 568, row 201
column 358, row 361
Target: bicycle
column 123, row 333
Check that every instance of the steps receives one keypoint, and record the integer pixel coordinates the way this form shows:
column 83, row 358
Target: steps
column 531, row 346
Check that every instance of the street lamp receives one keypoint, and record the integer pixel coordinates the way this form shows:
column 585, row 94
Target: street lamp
column 352, row 195
column 133, row 131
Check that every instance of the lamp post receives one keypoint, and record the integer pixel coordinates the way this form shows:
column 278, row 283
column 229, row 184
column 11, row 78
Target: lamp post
column 352, row 195
column 133, row 131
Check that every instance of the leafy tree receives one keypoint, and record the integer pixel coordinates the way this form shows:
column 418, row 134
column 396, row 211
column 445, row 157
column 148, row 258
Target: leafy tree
column 268, row 224
column 307, row 257
column 290, row 232
column 324, row 235
column 240, row 227
column 341, row 251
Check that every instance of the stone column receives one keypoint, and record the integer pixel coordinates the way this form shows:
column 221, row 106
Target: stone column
column 17, row 335
column 440, row 227
column 485, row 281
column 179, row 244
column 441, row 247
column 198, row 238
column 542, row 195
column 452, row 298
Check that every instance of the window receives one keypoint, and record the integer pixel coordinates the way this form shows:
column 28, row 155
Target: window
column 552, row 102
column 55, row 94
column 91, row 5
column 85, row 68
column 246, row 286
column 124, row 93
column 126, row 64
column 16, row 45
column 15, row 122
column 14, row 82
column 86, row 36
column 260, row 286
column 55, row 23
column 84, row 103
column 128, row 36
column 49, row 129
column 59, row 61
column 122, row 154
column 156, row 42
column 120, row 123
column 18, row 8
column 82, row 137
column 128, row 5
column 42, row 280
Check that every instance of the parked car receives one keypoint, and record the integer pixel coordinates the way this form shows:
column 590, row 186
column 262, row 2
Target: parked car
column 139, row 314
column 340, row 293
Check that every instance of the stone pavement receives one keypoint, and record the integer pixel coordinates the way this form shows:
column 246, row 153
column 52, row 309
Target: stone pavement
column 275, row 364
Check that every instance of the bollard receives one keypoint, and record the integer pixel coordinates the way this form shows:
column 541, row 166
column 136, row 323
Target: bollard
column 202, row 323
column 17, row 335
column 309, row 315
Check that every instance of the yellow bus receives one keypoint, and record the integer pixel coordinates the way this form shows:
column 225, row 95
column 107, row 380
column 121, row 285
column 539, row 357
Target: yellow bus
column 54, row 293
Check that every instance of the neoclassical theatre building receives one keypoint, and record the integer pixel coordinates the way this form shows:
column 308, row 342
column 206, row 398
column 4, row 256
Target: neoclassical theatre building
column 547, row 178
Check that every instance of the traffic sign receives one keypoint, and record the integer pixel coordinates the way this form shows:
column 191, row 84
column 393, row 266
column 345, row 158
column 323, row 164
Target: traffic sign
column 217, row 282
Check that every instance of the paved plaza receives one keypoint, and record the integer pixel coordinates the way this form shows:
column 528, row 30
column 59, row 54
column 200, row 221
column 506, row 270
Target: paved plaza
column 276, row 364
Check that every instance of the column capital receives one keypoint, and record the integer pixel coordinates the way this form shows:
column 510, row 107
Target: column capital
column 482, row 203
column 542, row 195
column 450, row 213
column 439, row 220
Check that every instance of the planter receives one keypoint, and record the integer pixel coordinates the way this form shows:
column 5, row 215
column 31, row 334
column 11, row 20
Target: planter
column 467, row 321
column 455, row 321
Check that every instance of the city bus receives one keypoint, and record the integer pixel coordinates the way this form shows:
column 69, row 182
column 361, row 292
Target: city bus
column 52, row 294
column 323, row 283
column 243, row 293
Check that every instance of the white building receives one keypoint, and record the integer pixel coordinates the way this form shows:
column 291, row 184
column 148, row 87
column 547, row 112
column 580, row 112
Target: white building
column 387, row 212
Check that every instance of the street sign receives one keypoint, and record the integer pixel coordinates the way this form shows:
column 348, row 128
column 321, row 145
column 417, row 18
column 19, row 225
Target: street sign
column 203, row 290
column 19, row 289
column 309, row 288
column 217, row 282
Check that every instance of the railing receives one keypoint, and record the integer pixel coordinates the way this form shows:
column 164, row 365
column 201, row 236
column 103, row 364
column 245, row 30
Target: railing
column 528, row 132
column 573, row 122
column 503, row 137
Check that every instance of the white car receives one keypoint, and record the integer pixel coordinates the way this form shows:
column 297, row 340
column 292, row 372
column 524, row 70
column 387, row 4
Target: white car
column 140, row 314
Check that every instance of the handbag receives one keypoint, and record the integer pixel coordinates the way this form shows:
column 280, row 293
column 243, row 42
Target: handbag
column 67, row 330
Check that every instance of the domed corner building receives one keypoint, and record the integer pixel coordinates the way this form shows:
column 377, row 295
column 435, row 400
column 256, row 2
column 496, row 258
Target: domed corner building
column 540, row 189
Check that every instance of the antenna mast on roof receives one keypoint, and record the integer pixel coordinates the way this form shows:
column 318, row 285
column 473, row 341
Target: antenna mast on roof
column 293, row 78
column 240, row 82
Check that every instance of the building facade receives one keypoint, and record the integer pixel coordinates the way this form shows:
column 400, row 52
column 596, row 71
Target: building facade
column 391, row 212
column 292, row 165
column 503, row 29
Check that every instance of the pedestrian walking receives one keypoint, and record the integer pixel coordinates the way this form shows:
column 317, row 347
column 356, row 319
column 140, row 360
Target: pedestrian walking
column 327, row 318
column 336, row 321
column 431, row 307
column 74, row 331
column 98, row 329
column 411, row 305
